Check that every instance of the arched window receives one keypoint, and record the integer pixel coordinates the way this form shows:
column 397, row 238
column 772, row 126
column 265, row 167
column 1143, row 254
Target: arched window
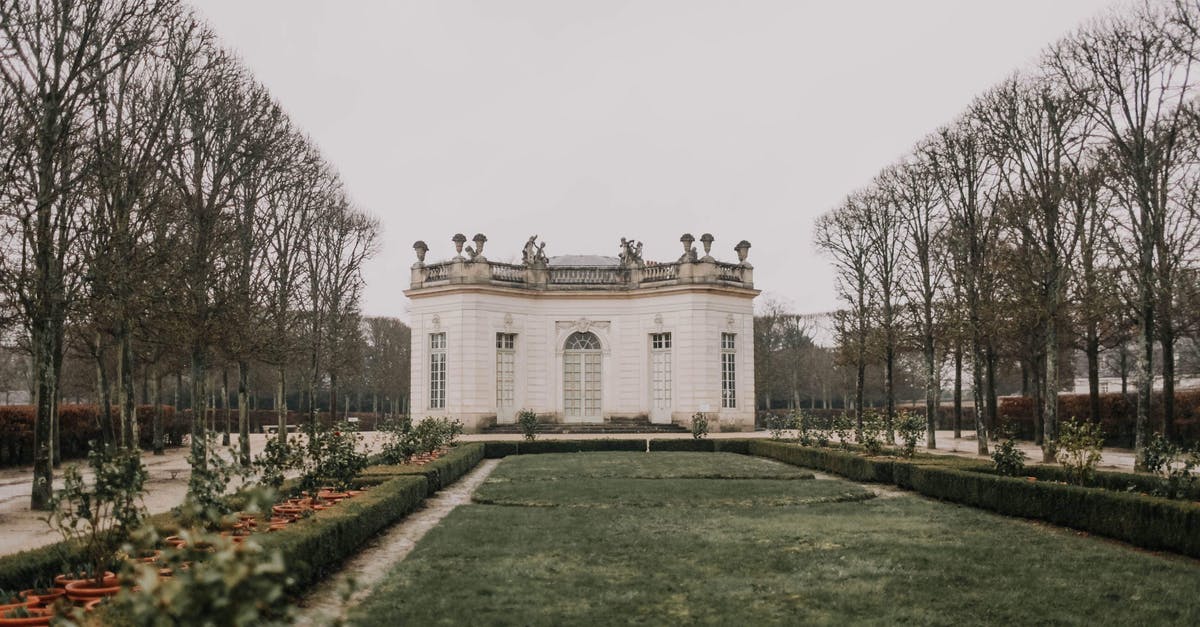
column 582, row 342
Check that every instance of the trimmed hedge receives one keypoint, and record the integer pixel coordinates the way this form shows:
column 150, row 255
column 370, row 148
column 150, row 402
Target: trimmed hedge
column 1118, row 414
column 702, row 446
column 19, row 571
column 312, row 547
column 498, row 449
column 842, row 463
column 439, row 473
column 1145, row 521
column 1103, row 479
column 79, row 424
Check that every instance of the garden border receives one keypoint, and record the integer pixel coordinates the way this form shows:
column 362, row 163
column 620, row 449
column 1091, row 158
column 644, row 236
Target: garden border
column 1146, row 521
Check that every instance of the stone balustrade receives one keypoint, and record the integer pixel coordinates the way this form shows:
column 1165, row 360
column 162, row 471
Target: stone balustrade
column 541, row 276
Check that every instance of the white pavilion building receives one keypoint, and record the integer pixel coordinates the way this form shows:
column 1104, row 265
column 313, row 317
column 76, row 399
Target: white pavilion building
column 583, row 338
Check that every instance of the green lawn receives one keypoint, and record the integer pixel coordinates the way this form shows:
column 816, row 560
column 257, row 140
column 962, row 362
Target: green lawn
column 716, row 538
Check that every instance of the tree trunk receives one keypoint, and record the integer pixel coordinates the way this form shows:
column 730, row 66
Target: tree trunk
column 889, row 392
column 129, row 427
column 1039, row 395
column 199, row 428
column 981, row 432
column 281, row 407
column 56, row 357
column 859, row 381
column 225, row 407
column 1050, row 402
column 43, row 399
column 108, row 432
column 958, row 381
column 156, row 400
column 990, row 390
column 932, row 389
column 1092, row 349
column 244, row 413
column 1166, row 339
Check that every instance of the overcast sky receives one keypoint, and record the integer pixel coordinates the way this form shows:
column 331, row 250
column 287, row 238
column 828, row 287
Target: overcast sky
column 585, row 122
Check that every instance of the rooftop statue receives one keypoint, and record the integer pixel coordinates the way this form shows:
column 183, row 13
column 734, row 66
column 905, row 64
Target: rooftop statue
column 631, row 253
column 534, row 252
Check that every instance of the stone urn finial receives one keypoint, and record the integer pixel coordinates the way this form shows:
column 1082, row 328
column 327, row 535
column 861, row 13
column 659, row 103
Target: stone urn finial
column 459, row 239
column 689, row 253
column 421, row 249
column 707, row 240
column 476, row 253
column 742, row 249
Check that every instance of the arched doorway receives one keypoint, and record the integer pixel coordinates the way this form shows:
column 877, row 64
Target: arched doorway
column 581, row 378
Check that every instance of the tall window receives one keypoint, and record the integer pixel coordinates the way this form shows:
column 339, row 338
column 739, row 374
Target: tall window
column 728, row 370
column 437, row 370
column 660, row 370
column 505, row 358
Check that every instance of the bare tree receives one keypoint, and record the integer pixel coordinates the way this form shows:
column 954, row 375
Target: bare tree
column 914, row 191
column 1132, row 72
column 963, row 172
column 840, row 235
column 1035, row 133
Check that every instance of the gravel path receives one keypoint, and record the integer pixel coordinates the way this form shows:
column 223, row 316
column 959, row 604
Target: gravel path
column 327, row 601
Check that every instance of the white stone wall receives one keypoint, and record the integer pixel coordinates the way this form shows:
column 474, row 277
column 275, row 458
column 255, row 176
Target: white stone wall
column 471, row 316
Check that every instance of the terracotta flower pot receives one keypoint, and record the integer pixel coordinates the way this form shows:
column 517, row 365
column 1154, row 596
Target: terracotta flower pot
column 175, row 542
column 151, row 558
column 48, row 597
column 83, row 591
column 91, row 606
column 27, row 602
column 61, row 581
column 37, row 616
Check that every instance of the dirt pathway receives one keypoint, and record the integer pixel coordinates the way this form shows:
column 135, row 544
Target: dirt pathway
column 370, row 565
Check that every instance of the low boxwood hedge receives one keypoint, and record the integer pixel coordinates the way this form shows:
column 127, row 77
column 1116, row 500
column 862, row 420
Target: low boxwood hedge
column 702, row 446
column 1105, row 479
column 315, row 545
column 497, row 449
column 440, row 473
column 310, row 547
column 842, row 463
column 1145, row 521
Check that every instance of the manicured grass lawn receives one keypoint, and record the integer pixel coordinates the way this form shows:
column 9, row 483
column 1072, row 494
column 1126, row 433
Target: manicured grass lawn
column 606, row 544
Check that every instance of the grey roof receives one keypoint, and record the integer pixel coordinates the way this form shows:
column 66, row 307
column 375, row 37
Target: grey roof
column 584, row 260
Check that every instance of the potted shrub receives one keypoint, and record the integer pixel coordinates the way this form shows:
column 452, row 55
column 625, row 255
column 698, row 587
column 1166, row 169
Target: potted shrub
column 99, row 517
column 25, row 616
column 11, row 600
column 334, row 460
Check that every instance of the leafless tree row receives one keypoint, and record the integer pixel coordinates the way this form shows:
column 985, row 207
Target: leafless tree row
column 1058, row 211
column 158, row 205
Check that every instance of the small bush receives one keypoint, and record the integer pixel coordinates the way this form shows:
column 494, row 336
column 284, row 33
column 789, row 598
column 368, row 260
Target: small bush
column 399, row 442
column 98, row 515
column 779, row 425
column 911, row 426
column 528, row 421
column 1079, row 444
column 333, row 458
column 699, row 425
column 871, row 437
column 1009, row 460
column 1158, row 454
column 843, row 428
